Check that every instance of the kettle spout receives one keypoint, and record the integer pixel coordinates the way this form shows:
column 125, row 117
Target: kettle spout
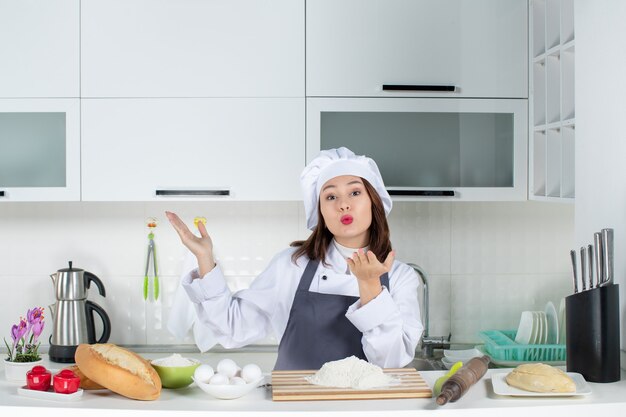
column 52, row 309
column 54, row 278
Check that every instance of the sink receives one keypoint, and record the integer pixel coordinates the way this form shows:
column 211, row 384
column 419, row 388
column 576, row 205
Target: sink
column 425, row 364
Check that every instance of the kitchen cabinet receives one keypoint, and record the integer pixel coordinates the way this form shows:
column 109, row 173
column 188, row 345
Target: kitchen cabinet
column 478, row 47
column 39, row 150
column 216, row 149
column 552, row 118
column 39, row 46
column 445, row 149
column 189, row 48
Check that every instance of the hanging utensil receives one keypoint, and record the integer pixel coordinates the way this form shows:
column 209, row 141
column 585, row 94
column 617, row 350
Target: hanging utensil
column 152, row 224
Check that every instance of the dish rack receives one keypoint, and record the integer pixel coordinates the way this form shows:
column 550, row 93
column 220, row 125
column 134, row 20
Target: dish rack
column 501, row 346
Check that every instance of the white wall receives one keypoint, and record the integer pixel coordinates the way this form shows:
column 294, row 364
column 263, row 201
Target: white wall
column 487, row 261
column 600, row 132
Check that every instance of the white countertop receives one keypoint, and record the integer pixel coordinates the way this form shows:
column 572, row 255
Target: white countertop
column 605, row 400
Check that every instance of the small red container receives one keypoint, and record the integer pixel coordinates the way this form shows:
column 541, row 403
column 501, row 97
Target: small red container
column 66, row 382
column 38, row 378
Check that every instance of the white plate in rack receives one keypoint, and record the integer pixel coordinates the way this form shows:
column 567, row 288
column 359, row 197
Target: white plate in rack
column 500, row 387
column 553, row 324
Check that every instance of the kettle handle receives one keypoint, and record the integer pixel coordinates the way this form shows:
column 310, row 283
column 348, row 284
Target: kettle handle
column 89, row 277
column 90, row 307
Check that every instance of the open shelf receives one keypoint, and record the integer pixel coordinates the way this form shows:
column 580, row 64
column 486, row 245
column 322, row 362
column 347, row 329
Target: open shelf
column 552, row 100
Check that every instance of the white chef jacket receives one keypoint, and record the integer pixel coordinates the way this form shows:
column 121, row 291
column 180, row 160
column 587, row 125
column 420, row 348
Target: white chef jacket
column 390, row 323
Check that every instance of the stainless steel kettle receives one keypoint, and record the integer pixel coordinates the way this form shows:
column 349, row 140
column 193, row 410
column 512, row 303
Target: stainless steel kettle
column 73, row 314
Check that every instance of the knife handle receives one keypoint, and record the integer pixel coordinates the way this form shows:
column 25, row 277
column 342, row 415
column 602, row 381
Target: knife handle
column 583, row 267
column 572, row 255
column 598, row 254
column 607, row 244
column 590, row 265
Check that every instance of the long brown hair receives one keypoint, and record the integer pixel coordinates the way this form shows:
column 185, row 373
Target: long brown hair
column 316, row 245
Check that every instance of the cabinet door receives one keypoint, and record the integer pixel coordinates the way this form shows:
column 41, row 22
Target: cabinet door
column 354, row 47
column 216, row 149
column 190, row 48
column 470, row 149
column 39, row 48
column 39, row 150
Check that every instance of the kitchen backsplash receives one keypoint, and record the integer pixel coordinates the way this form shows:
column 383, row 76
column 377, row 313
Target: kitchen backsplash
column 486, row 262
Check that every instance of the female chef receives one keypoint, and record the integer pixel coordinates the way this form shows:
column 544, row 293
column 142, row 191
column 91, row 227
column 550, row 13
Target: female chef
column 336, row 294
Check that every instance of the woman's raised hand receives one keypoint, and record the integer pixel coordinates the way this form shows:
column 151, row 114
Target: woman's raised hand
column 368, row 269
column 201, row 247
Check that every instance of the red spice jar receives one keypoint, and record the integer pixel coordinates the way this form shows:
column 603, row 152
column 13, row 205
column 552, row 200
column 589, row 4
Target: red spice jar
column 38, row 378
column 66, row 382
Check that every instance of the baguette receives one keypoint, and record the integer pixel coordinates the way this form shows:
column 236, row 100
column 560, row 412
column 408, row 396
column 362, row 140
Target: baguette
column 119, row 370
column 85, row 383
column 539, row 377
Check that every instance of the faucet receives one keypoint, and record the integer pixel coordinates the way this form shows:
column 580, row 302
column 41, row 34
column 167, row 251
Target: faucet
column 429, row 343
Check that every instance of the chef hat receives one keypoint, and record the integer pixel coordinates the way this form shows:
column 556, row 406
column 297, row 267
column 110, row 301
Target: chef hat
column 333, row 163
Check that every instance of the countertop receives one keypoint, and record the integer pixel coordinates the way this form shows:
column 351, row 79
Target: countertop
column 605, row 400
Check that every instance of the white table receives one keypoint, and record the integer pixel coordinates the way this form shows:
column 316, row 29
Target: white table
column 605, row 400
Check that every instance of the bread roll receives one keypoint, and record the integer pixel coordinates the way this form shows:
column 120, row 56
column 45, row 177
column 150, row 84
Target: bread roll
column 539, row 377
column 85, row 383
column 119, row 370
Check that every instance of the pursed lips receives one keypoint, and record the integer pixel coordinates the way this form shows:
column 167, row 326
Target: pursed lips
column 346, row 219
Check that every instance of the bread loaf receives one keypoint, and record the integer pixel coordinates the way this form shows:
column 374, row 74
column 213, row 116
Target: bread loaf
column 85, row 383
column 539, row 377
column 119, row 370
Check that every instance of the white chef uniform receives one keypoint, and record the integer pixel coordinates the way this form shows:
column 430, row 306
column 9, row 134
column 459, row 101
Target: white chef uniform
column 390, row 323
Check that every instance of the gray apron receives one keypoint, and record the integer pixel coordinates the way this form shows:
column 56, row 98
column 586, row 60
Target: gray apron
column 317, row 330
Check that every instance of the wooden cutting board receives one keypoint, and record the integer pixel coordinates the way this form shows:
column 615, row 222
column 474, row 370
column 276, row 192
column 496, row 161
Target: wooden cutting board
column 292, row 386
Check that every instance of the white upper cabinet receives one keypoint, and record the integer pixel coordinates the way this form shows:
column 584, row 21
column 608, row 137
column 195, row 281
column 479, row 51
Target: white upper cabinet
column 479, row 48
column 207, row 149
column 39, row 150
column 39, row 48
column 190, row 48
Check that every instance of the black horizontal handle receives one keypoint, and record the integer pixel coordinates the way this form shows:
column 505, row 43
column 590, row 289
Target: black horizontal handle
column 422, row 193
column 192, row 192
column 418, row 87
column 1, row 193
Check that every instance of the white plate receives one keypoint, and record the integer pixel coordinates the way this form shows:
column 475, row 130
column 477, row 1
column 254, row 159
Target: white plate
column 229, row 392
column 534, row 338
column 553, row 324
column 525, row 328
column 461, row 355
column 500, row 387
column 49, row 395
column 449, row 363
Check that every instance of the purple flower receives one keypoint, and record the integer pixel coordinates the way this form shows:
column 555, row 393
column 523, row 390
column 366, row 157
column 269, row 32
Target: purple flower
column 19, row 330
column 35, row 315
column 37, row 329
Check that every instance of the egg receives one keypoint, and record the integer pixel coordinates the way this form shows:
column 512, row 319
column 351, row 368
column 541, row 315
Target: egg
column 227, row 367
column 251, row 373
column 237, row 381
column 219, row 379
column 203, row 373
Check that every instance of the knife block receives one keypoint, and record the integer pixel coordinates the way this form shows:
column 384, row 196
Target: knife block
column 592, row 334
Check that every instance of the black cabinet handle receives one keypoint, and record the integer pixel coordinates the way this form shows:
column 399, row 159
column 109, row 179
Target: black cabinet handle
column 418, row 87
column 170, row 193
column 422, row 193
